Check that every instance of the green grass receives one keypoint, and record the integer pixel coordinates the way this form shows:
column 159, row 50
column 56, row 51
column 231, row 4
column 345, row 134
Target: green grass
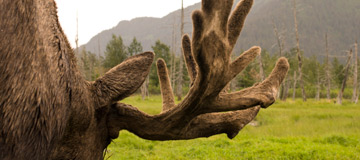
column 287, row 130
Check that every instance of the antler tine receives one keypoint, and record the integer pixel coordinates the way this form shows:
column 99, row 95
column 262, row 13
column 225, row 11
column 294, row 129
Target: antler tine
column 263, row 94
column 237, row 20
column 208, row 61
column 198, row 30
column 165, row 85
column 205, row 125
column 243, row 60
column 189, row 58
column 210, row 124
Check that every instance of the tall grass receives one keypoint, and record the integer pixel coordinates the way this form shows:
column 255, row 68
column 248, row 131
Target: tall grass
column 287, row 130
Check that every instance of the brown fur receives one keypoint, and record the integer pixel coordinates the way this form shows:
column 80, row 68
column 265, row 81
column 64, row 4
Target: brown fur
column 46, row 108
column 48, row 111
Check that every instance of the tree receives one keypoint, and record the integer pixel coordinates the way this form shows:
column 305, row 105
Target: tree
column 90, row 65
column 294, row 86
column 115, row 52
column 280, row 44
column 181, row 65
column 355, row 86
column 161, row 50
column 94, row 66
column 261, row 68
column 318, row 83
column 291, row 56
column 346, row 74
column 327, row 68
column 84, row 64
column 135, row 47
column 300, row 77
column 337, row 71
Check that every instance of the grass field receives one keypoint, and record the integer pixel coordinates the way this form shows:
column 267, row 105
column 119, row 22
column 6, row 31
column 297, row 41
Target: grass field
column 286, row 130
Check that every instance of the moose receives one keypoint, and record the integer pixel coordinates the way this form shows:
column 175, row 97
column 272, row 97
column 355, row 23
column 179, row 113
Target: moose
column 49, row 111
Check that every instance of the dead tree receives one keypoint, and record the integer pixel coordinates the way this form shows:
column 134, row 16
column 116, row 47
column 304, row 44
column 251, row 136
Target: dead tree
column 286, row 89
column 301, row 83
column 294, row 86
column 77, row 34
column 48, row 110
column 355, row 86
column 144, row 89
column 261, row 68
column 341, row 92
column 280, row 45
column 181, row 64
column 327, row 68
column 318, row 85
column 278, row 38
column 173, row 56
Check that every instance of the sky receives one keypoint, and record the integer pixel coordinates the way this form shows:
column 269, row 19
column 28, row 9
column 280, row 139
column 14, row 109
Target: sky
column 95, row 16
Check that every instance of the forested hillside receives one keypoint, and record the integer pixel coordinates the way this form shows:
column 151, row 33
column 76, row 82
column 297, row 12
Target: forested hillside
column 338, row 18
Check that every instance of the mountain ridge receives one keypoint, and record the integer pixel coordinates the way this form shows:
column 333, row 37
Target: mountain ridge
column 340, row 19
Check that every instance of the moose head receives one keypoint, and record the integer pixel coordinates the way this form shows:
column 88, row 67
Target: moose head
column 49, row 111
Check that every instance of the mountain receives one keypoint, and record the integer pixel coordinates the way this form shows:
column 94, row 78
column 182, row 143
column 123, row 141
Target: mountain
column 339, row 18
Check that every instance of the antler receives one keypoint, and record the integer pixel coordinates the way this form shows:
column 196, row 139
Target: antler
column 210, row 68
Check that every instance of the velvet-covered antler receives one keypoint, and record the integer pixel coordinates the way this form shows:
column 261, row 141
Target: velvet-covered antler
column 210, row 68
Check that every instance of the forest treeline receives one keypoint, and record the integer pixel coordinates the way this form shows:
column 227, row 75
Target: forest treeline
column 320, row 78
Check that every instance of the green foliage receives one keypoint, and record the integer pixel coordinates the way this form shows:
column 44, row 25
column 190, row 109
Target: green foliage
column 115, row 52
column 161, row 50
column 287, row 130
column 337, row 72
column 250, row 75
column 312, row 68
column 90, row 65
column 135, row 47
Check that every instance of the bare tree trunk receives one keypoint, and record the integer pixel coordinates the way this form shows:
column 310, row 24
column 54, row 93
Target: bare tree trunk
column 147, row 81
column 278, row 38
column 327, row 68
column 180, row 78
column 341, row 92
column 294, row 87
column 317, row 97
column 145, row 89
column 355, row 96
column 286, row 89
column 77, row 34
column 142, row 89
column 173, row 57
column 299, row 55
column 261, row 67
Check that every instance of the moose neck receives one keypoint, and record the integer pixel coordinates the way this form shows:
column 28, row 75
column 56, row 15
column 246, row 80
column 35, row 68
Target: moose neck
column 31, row 32
column 39, row 80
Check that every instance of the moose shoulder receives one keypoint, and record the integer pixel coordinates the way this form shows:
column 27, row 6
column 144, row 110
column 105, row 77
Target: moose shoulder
column 49, row 111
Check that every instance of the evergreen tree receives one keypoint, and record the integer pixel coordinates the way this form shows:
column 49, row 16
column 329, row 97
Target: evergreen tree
column 90, row 65
column 337, row 72
column 135, row 47
column 94, row 66
column 115, row 52
column 84, row 65
column 161, row 50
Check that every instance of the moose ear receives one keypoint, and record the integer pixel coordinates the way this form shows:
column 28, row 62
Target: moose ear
column 124, row 79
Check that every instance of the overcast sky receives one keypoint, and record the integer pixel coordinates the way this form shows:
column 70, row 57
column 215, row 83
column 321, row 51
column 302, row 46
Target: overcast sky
column 98, row 15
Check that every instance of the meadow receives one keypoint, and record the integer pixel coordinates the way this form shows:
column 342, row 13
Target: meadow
column 286, row 130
